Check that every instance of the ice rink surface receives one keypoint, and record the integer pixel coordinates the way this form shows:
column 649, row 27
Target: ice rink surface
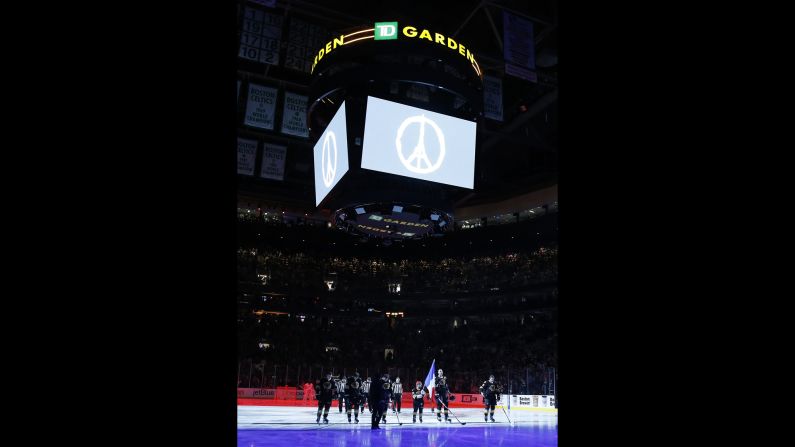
column 260, row 426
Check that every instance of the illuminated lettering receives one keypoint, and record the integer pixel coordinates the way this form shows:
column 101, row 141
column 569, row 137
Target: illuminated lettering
column 451, row 44
column 388, row 31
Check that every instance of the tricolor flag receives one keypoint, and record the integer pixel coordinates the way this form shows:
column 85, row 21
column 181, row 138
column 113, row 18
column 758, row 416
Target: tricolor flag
column 429, row 378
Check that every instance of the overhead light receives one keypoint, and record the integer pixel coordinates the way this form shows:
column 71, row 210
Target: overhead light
column 397, row 209
column 434, row 217
column 360, row 210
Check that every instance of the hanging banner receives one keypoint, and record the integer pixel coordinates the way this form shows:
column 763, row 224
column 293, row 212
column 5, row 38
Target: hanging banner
column 492, row 98
column 294, row 116
column 302, row 41
column 246, row 156
column 260, row 36
column 521, row 73
column 238, row 91
column 261, row 106
column 273, row 161
column 519, row 44
column 268, row 3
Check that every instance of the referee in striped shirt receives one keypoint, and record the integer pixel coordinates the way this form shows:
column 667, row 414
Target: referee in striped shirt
column 341, row 391
column 366, row 393
column 397, row 394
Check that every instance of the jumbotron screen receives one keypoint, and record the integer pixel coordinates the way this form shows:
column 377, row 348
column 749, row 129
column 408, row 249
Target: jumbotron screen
column 417, row 143
column 331, row 155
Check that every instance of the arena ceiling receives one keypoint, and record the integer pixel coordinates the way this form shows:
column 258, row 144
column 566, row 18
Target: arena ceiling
column 514, row 157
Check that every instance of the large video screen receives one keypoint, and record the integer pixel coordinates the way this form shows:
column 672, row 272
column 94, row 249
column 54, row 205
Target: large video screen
column 331, row 155
column 418, row 143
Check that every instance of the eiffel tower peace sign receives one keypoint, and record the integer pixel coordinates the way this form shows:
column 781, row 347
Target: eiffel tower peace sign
column 418, row 161
column 327, row 167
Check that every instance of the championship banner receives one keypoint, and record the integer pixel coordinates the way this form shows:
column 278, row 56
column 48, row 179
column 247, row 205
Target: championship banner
column 519, row 47
column 294, row 116
column 261, row 106
column 492, row 98
column 273, row 157
column 246, row 156
column 518, row 41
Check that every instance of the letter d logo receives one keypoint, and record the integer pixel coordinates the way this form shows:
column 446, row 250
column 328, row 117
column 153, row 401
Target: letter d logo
column 385, row 30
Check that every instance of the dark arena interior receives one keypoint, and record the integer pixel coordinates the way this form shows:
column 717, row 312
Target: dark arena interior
column 397, row 223
column 415, row 239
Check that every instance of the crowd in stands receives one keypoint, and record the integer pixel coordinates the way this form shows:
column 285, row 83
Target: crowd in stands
column 515, row 347
column 315, row 288
column 301, row 272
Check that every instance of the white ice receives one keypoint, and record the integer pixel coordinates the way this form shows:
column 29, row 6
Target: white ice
column 278, row 417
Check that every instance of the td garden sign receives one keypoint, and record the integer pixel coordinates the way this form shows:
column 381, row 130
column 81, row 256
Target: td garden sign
column 392, row 31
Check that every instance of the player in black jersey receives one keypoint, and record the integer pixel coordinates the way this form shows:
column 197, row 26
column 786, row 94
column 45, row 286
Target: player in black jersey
column 325, row 393
column 491, row 393
column 380, row 393
column 442, row 391
column 418, row 394
column 353, row 395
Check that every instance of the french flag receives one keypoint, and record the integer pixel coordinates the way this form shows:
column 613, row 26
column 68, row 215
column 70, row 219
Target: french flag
column 429, row 378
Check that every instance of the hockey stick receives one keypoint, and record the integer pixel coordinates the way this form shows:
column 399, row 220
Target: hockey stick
column 397, row 415
column 451, row 411
column 506, row 414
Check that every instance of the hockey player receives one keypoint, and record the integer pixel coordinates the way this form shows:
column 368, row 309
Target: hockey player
column 491, row 393
column 325, row 393
column 387, row 386
column 440, row 383
column 397, row 395
column 365, row 394
column 353, row 396
column 418, row 394
column 341, row 391
column 380, row 392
